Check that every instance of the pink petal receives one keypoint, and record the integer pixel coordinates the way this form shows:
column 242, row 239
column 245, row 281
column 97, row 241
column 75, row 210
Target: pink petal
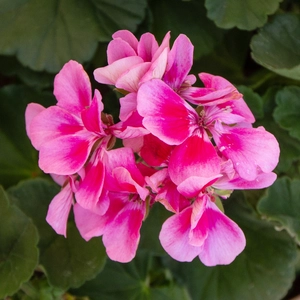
column 164, row 45
column 59, row 209
column 194, row 157
column 174, row 236
column 128, row 106
column 225, row 239
column 72, row 87
column 251, row 150
column 166, row 115
column 147, row 46
column 122, row 235
column 180, row 61
column 118, row 49
column 111, row 73
column 127, row 36
column 65, row 155
column 88, row 223
column 51, row 123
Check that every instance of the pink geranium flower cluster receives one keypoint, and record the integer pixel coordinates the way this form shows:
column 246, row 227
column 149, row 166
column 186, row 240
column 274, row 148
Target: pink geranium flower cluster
column 194, row 146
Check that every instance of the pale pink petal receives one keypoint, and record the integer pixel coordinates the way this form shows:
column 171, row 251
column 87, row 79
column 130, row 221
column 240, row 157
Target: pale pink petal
column 32, row 110
column 59, row 209
column 65, row 155
column 164, row 45
column 147, row 46
column 52, row 123
column 180, row 61
column 88, row 223
column 225, row 239
column 194, row 157
column 129, row 80
column 166, row 115
column 251, row 150
column 128, row 106
column 72, row 88
column 122, row 235
column 174, row 236
column 127, row 36
column 134, row 143
column 91, row 116
column 118, row 49
column 111, row 73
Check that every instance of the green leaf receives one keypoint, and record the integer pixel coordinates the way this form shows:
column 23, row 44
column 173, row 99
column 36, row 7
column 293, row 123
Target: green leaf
column 67, row 29
column 277, row 46
column 246, row 14
column 287, row 112
column 18, row 158
column 188, row 17
column 134, row 280
column 264, row 270
column 253, row 100
column 282, row 205
column 18, row 247
column 70, row 261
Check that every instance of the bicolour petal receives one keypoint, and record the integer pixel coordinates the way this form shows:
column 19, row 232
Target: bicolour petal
column 88, row 223
column 174, row 236
column 72, row 88
column 111, row 73
column 122, row 235
column 250, row 150
column 65, row 155
column 225, row 240
column 118, row 49
column 196, row 156
column 166, row 115
column 180, row 61
column 52, row 123
column 59, row 209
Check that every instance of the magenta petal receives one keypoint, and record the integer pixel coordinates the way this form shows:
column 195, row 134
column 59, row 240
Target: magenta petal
column 122, row 235
column 166, row 115
column 118, row 49
column 180, row 61
column 52, row 123
column 111, row 73
column 194, row 157
column 174, row 236
column 72, row 87
column 250, row 150
column 65, row 155
column 59, row 210
column 147, row 46
column 225, row 239
column 88, row 223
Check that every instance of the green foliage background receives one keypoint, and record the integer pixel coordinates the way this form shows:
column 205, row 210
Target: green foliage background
column 254, row 44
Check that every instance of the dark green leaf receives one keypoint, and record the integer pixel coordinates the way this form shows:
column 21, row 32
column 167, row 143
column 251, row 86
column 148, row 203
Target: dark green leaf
column 282, row 205
column 277, row 46
column 287, row 112
column 18, row 247
column 246, row 14
column 67, row 261
column 18, row 159
column 188, row 17
column 44, row 34
column 264, row 270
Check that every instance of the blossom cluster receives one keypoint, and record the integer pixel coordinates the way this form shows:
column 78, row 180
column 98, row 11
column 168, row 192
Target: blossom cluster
column 185, row 147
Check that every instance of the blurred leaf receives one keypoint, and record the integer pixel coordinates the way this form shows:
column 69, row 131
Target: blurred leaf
column 45, row 34
column 10, row 66
column 67, row 261
column 188, row 17
column 253, row 100
column 131, row 281
column 287, row 112
column 18, row 247
column 282, row 205
column 18, row 158
column 246, row 15
column 277, row 46
column 264, row 270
